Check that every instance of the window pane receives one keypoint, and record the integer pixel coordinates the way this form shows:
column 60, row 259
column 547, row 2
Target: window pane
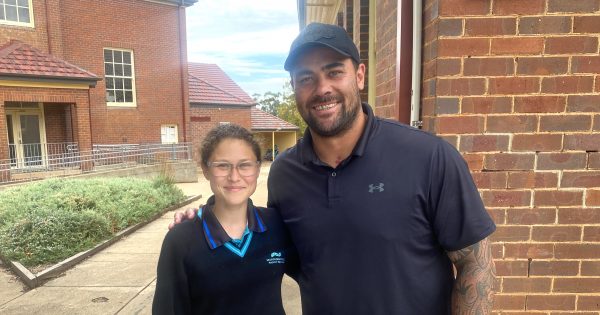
column 119, row 69
column 108, row 55
column 24, row 15
column 127, row 83
column 108, row 69
column 2, row 11
column 11, row 13
column 23, row 3
column 11, row 2
column 118, row 56
column 126, row 57
column 128, row 96
column 120, row 96
column 127, row 70
column 110, row 83
column 110, row 96
column 118, row 84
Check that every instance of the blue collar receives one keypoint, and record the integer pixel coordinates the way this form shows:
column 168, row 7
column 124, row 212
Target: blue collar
column 214, row 233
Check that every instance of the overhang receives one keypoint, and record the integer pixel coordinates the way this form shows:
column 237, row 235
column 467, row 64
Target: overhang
column 324, row 11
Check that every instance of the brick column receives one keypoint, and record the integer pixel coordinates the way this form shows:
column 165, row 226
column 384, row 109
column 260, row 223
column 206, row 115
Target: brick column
column 514, row 85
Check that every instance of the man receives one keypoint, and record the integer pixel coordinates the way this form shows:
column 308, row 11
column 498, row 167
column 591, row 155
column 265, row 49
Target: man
column 379, row 211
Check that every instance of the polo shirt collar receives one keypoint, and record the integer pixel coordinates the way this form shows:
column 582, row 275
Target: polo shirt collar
column 307, row 152
column 214, row 233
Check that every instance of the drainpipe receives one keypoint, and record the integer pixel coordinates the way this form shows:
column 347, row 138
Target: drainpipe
column 183, row 70
column 301, row 13
column 415, row 108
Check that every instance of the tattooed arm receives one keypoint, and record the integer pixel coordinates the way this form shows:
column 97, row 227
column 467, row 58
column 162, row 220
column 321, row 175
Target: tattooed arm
column 473, row 287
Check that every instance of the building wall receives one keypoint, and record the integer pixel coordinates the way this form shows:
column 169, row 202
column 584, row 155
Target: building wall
column 78, row 34
column 205, row 118
column 152, row 32
column 385, row 78
column 514, row 85
column 36, row 36
column 58, row 119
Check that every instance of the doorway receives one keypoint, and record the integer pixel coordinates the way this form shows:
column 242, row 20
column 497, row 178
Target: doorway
column 26, row 135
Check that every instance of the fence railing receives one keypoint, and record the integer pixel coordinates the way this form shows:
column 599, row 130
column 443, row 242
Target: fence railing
column 44, row 160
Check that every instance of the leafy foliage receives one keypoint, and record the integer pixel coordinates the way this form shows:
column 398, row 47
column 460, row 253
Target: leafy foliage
column 283, row 105
column 47, row 221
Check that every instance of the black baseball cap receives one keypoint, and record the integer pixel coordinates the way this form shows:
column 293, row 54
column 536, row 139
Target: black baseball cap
column 331, row 36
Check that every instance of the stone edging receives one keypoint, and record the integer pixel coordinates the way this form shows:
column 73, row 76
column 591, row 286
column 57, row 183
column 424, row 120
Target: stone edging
column 35, row 280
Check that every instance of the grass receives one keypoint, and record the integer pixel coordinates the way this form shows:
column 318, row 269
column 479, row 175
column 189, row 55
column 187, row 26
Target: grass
column 48, row 221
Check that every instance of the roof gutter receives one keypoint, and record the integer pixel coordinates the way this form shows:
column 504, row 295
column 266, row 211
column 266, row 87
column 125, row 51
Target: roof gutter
column 50, row 79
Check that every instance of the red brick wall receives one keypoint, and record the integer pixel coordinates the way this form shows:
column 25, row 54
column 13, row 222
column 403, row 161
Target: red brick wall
column 57, row 118
column 514, row 85
column 152, row 31
column 205, row 118
column 36, row 36
column 385, row 77
column 360, row 36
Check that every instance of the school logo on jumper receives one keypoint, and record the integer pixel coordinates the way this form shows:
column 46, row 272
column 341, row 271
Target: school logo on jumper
column 276, row 258
column 378, row 188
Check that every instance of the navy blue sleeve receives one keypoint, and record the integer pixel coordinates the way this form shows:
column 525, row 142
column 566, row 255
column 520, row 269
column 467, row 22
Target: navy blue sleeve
column 172, row 294
column 459, row 216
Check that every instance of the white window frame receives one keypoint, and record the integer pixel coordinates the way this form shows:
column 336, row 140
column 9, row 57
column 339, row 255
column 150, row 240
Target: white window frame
column 163, row 129
column 16, row 23
column 120, row 104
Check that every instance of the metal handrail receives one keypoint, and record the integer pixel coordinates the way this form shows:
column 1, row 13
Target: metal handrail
column 43, row 160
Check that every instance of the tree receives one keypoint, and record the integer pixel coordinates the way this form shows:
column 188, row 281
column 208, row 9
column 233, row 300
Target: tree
column 283, row 105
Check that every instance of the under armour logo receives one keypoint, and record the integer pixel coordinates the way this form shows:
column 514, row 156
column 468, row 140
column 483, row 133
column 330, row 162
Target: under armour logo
column 376, row 187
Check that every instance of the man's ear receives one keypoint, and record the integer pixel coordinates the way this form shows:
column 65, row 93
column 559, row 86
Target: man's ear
column 360, row 76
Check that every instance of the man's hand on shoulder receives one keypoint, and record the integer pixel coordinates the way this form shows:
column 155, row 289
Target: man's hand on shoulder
column 181, row 216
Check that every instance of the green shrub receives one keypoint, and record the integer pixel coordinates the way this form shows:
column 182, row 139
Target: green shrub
column 48, row 221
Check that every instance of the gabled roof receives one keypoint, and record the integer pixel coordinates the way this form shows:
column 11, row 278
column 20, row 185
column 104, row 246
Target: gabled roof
column 208, row 84
column 20, row 60
column 263, row 121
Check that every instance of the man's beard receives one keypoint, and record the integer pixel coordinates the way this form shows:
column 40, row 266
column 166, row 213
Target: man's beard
column 344, row 120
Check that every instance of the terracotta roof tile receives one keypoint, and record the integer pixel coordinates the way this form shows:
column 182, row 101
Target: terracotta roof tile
column 21, row 60
column 208, row 84
column 262, row 120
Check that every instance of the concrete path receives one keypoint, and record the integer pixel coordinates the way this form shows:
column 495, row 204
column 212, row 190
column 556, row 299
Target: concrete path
column 120, row 279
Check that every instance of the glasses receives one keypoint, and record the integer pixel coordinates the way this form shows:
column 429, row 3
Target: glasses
column 246, row 168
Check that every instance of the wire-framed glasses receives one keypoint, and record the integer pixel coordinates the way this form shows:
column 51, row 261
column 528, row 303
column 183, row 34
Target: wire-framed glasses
column 244, row 168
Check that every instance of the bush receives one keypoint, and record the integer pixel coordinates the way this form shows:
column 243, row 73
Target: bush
column 48, row 221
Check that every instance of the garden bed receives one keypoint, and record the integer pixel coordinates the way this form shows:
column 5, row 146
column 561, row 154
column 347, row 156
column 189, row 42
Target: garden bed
column 60, row 222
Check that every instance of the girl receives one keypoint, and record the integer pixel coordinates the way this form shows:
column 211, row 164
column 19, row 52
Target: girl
column 232, row 257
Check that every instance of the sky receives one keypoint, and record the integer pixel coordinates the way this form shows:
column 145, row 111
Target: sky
column 248, row 39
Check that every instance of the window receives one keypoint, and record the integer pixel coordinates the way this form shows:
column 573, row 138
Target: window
column 119, row 77
column 16, row 12
column 168, row 134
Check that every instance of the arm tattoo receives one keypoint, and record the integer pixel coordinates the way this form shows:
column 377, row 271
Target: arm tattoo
column 473, row 287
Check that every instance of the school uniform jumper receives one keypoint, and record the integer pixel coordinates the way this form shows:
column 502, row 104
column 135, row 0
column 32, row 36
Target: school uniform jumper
column 201, row 270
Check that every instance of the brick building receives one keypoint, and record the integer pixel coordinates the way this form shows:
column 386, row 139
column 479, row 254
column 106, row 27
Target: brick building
column 216, row 99
column 515, row 86
column 76, row 73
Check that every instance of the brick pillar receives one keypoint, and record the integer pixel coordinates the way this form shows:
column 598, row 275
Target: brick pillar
column 4, row 153
column 361, row 37
column 349, row 18
column 514, row 85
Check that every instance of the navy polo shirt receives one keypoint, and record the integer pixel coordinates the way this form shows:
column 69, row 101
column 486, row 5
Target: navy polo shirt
column 372, row 234
column 201, row 270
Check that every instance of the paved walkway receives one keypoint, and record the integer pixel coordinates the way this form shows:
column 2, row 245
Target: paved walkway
column 121, row 278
